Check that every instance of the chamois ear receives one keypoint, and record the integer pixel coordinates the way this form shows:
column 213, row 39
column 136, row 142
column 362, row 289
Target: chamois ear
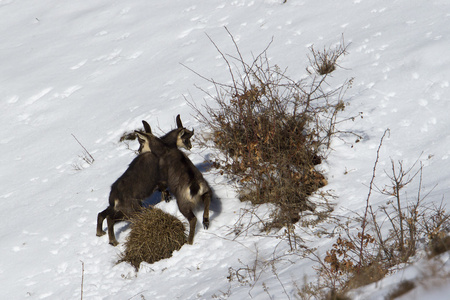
column 181, row 132
column 141, row 135
column 144, row 142
column 146, row 127
column 179, row 124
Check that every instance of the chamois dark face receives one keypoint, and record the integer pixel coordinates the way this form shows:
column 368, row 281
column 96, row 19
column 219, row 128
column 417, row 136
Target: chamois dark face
column 184, row 138
column 154, row 144
column 143, row 145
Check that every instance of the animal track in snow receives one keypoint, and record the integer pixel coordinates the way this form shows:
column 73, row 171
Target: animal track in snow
column 125, row 11
column 4, row 196
column 62, row 268
column 190, row 42
column 81, row 221
column 423, row 102
column 101, row 33
column 190, row 8
column 405, row 123
column 45, row 295
column 185, row 33
column 69, row 91
column 38, row 96
column 23, row 117
column 108, row 57
column 13, row 99
column 115, row 56
column 6, row 140
column 424, row 127
column 135, row 55
column 79, row 65
column 17, row 248
column 378, row 10
column 123, row 36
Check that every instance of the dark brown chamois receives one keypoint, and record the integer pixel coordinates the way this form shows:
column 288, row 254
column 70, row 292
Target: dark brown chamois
column 184, row 180
column 179, row 137
column 128, row 192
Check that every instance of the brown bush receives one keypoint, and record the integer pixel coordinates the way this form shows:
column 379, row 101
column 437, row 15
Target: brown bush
column 154, row 236
column 386, row 240
column 273, row 131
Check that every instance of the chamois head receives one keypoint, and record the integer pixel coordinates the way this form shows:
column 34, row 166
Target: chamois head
column 152, row 143
column 143, row 140
column 184, row 135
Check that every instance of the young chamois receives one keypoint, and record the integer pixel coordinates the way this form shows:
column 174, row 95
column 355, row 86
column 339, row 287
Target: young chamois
column 128, row 192
column 184, row 180
column 179, row 137
column 138, row 182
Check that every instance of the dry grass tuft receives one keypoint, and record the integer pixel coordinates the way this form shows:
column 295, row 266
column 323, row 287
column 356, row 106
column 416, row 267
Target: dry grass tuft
column 439, row 244
column 154, row 236
column 128, row 136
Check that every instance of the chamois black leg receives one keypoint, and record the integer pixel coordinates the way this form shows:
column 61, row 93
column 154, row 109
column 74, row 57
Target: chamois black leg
column 112, row 238
column 100, row 218
column 192, row 223
column 206, row 200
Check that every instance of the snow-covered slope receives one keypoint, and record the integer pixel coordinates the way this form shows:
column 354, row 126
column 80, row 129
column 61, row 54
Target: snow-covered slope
column 97, row 68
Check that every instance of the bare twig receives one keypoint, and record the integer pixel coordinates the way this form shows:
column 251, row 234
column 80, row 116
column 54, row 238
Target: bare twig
column 91, row 160
column 364, row 220
column 82, row 278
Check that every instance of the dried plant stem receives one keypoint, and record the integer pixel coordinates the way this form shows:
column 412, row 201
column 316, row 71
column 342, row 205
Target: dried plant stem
column 82, row 278
column 366, row 211
column 91, row 160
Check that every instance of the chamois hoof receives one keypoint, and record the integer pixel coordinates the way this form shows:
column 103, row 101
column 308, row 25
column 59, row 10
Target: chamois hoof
column 205, row 223
column 165, row 196
column 100, row 233
column 114, row 243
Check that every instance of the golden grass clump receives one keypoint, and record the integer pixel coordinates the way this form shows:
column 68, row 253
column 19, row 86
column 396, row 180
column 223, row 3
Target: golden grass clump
column 154, row 236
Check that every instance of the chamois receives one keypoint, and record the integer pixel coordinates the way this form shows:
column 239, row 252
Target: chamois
column 184, row 180
column 179, row 137
column 127, row 193
column 139, row 181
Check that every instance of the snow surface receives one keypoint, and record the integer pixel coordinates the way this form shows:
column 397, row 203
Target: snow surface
column 97, row 68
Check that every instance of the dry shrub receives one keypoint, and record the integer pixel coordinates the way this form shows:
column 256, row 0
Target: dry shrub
column 273, row 131
column 325, row 61
column 128, row 136
column 154, row 236
column 439, row 244
column 388, row 237
column 341, row 271
column 368, row 274
column 436, row 225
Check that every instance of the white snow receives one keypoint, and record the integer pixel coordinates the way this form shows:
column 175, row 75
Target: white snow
column 97, row 68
